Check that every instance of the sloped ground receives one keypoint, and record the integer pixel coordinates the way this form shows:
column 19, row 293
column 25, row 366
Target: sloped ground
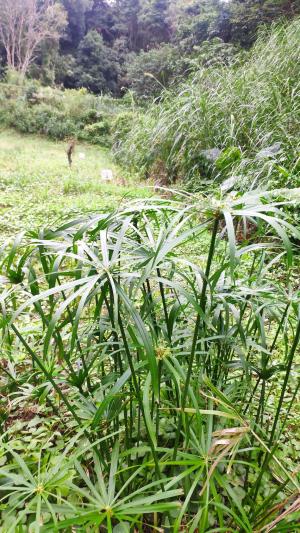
column 37, row 188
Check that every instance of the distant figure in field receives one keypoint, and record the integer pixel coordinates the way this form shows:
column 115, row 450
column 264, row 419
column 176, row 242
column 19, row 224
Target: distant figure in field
column 70, row 151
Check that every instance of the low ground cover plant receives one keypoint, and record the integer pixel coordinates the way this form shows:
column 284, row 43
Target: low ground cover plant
column 150, row 362
column 38, row 188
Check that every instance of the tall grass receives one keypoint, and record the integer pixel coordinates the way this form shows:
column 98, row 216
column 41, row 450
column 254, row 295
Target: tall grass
column 249, row 107
column 170, row 376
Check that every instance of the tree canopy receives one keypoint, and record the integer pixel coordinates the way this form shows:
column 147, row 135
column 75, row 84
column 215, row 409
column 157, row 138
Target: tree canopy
column 103, row 44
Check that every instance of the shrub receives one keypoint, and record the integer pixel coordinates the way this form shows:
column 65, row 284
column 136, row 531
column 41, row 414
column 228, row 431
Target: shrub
column 91, row 116
column 42, row 119
column 121, row 126
column 31, row 93
column 148, row 72
column 59, row 127
column 22, row 118
column 5, row 111
column 97, row 133
column 59, row 114
column 40, row 115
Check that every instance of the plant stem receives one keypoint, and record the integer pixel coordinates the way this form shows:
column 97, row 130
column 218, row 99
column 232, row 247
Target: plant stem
column 286, row 378
column 278, row 410
column 196, row 331
column 139, row 398
column 48, row 375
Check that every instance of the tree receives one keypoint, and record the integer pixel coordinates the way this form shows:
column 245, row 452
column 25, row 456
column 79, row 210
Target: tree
column 153, row 23
column 244, row 17
column 100, row 17
column 148, row 72
column 76, row 28
column 97, row 67
column 126, row 25
column 192, row 21
column 25, row 25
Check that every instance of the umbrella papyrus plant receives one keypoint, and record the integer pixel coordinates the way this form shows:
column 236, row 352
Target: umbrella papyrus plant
column 141, row 321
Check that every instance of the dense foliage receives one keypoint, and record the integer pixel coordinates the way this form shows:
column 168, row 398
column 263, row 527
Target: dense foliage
column 148, row 391
column 102, row 42
column 31, row 108
column 149, row 368
column 239, row 121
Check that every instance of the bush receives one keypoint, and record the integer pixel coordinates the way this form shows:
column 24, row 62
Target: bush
column 59, row 114
column 121, row 126
column 149, row 72
column 91, row 116
column 42, row 116
column 97, row 133
column 59, row 127
column 42, row 119
column 31, row 93
column 132, row 361
column 22, row 118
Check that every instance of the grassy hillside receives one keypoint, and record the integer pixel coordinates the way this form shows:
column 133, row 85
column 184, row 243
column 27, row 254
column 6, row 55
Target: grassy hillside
column 248, row 115
column 37, row 187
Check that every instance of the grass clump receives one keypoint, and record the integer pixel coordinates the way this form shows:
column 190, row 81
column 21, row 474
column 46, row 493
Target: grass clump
column 251, row 109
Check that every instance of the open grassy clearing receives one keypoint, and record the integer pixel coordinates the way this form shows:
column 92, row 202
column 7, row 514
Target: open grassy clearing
column 37, row 188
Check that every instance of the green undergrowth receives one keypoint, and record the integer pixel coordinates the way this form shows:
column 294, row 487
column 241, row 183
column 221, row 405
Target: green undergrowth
column 238, row 122
column 143, row 389
column 31, row 108
column 37, row 187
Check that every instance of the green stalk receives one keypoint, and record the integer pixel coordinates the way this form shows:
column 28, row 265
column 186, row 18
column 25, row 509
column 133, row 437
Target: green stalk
column 62, row 396
column 268, row 357
column 148, row 293
column 58, row 339
column 278, row 331
column 158, row 403
column 254, row 492
column 163, row 299
column 140, row 400
column 252, row 396
column 286, row 378
column 196, row 332
column 86, row 372
column 117, row 358
column 48, row 375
